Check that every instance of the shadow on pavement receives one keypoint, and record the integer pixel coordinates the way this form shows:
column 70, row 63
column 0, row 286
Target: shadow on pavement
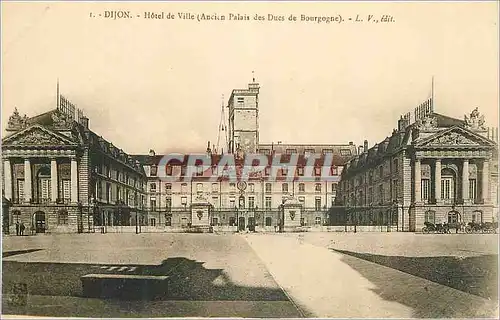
column 188, row 280
column 475, row 275
column 16, row 252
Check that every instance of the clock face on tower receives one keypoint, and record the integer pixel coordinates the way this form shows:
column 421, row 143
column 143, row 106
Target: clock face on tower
column 242, row 185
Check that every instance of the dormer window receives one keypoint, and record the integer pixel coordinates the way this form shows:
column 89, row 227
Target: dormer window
column 154, row 170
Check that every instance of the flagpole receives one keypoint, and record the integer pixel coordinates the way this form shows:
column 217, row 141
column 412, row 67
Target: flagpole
column 432, row 94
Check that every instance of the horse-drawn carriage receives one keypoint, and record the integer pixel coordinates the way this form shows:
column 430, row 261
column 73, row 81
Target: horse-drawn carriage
column 435, row 228
column 486, row 227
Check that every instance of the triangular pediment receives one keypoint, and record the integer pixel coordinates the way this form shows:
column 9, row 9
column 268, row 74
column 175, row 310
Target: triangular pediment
column 455, row 137
column 37, row 135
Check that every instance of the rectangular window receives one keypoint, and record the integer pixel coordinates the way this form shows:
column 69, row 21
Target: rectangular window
column 345, row 152
column 317, row 187
column 309, row 151
column 291, row 151
column 66, row 184
column 215, row 187
column 251, row 202
column 152, row 222
column 334, row 188
column 264, row 151
column 395, row 165
column 45, row 189
column 284, row 171
column 472, row 189
column 284, row 187
column 381, row 193
column 153, row 204
column 381, row 172
column 268, row 188
column 232, row 221
column 425, row 189
column 300, row 171
column 327, row 151
column 447, row 191
column 199, row 187
column 430, row 216
column 232, row 187
column 268, row 202
column 240, row 100
column 184, row 188
column 317, row 203
column 184, row 201
column 215, row 201
column 251, row 187
column 232, row 203
column 317, row 171
column 168, row 188
column 152, row 187
column 168, row 204
column 317, row 220
column 168, row 170
column 302, row 187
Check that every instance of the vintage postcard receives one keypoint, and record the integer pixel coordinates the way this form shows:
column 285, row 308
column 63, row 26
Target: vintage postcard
column 250, row 159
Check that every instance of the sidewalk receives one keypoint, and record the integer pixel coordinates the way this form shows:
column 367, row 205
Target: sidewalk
column 328, row 284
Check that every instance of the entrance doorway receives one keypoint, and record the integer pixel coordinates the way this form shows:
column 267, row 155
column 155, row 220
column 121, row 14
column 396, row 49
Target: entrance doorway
column 241, row 223
column 251, row 224
column 40, row 222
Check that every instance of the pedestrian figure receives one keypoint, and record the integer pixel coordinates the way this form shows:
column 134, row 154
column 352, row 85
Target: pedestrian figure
column 17, row 228
column 22, row 227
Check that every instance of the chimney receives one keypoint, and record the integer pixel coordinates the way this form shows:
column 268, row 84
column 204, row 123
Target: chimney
column 365, row 146
column 151, row 153
column 209, row 151
column 403, row 123
column 360, row 150
column 351, row 143
column 85, row 122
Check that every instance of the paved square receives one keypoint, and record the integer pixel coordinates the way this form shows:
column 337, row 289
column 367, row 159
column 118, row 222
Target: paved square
column 260, row 275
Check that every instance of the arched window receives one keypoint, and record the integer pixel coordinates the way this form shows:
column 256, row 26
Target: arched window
column 62, row 217
column 452, row 217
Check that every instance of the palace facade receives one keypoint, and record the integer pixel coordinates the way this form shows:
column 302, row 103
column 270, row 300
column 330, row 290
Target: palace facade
column 59, row 176
column 434, row 169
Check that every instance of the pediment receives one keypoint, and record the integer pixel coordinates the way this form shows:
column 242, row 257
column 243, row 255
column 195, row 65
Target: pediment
column 37, row 136
column 455, row 137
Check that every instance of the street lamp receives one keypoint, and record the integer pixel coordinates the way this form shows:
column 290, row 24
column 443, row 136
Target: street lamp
column 80, row 220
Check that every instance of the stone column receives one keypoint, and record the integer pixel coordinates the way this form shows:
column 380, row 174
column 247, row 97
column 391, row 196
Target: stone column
column 485, row 177
column 7, row 172
column 27, row 180
column 437, row 180
column 53, row 180
column 465, row 180
column 418, row 172
column 74, row 180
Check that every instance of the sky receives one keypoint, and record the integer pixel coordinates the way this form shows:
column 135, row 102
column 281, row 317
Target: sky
column 158, row 84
